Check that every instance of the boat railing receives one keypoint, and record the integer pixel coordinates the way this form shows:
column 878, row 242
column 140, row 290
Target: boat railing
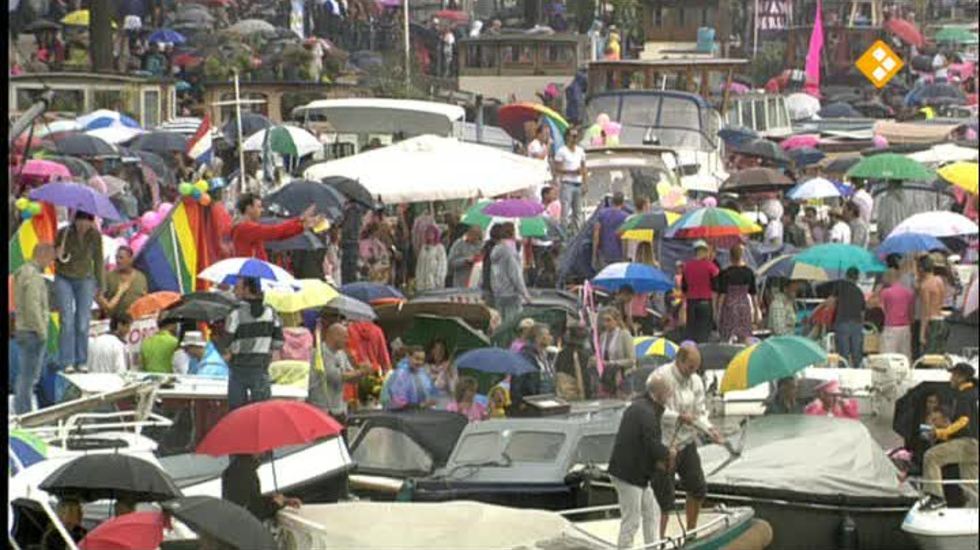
column 723, row 521
column 968, row 485
column 86, row 423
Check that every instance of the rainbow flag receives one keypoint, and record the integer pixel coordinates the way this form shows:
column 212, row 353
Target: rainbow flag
column 39, row 229
column 179, row 248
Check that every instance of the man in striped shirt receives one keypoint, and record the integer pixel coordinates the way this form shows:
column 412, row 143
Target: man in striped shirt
column 253, row 331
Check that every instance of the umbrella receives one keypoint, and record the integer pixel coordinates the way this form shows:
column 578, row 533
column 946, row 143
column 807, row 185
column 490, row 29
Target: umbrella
column 495, row 361
column 838, row 109
column 802, row 106
column 938, row 224
column 816, row 188
column 351, row 308
column 109, row 186
column 526, row 227
column 228, row 271
column 186, row 60
column 79, row 168
column 201, row 307
column 641, row 278
column 787, row 267
column 906, row 30
column 514, row 208
column 104, row 118
column 649, row 346
column 155, row 164
column 641, row 227
column 161, row 143
column 890, row 166
column 937, row 91
column 711, row 223
column 841, row 257
column 75, row 196
column 46, row 169
column 132, row 531
column 48, row 128
column 251, row 26
column 312, row 293
column 251, row 124
column 296, row 196
column 285, row 140
column 805, row 156
column 737, row 135
column 153, row 303
column 970, row 298
column 82, row 145
column 774, row 358
column 371, row 292
column 909, row 243
column 115, row 134
column 956, row 35
column 840, row 165
column 458, row 335
column 40, row 25
column 352, row 189
column 452, row 15
column 307, row 240
column 763, row 149
column 961, row 174
column 167, row 36
column 78, row 18
column 265, row 426
column 800, row 141
column 511, row 118
column 222, row 520
column 756, row 180
column 24, row 450
column 110, row 476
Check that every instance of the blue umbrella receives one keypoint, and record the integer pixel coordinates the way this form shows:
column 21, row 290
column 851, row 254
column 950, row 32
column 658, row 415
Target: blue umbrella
column 166, row 36
column 735, row 135
column 79, row 197
column 104, row 118
column 228, row 272
column 369, row 292
column 805, row 156
column 909, row 243
column 642, row 278
column 495, row 361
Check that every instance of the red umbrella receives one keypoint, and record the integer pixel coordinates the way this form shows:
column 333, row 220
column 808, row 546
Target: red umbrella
column 267, row 425
column 186, row 60
column 906, row 31
column 134, row 531
column 453, row 15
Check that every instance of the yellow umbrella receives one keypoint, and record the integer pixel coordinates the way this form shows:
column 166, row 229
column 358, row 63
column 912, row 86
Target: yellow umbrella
column 961, row 174
column 79, row 18
column 313, row 293
column 647, row 234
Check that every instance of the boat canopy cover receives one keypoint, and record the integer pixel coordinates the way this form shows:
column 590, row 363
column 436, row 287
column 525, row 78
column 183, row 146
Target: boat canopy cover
column 428, row 525
column 436, row 431
column 811, row 455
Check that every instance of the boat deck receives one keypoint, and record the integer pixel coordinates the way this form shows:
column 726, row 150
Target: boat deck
column 712, row 524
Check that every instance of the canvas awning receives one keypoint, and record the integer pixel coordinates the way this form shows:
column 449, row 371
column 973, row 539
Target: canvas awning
column 904, row 133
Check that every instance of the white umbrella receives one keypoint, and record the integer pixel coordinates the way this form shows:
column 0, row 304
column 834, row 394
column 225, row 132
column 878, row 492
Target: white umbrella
column 816, row 188
column 937, row 224
column 943, row 153
column 115, row 134
column 285, row 138
column 228, row 272
column 55, row 127
column 432, row 168
column 802, row 106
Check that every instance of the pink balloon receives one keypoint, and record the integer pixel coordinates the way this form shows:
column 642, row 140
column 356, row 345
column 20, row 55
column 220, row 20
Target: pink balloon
column 612, row 128
column 879, row 142
column 150, row 220
column 710, row 202
column 602, row 119
column 137, row 242
column 164, row 208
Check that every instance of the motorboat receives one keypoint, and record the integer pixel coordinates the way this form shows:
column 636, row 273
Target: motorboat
column 943, row 529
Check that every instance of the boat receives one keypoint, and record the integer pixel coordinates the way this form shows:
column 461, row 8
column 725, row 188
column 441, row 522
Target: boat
column 943, row 529
column 820, row 482
column 634, row 170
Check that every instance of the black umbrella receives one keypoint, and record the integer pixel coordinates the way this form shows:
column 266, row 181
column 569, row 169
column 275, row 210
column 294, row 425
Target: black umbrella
column 160, row 142
column 838, row 110
column 83, row 145
column 351, row 308
column 306, row 240
column 251, row 123
column 763, row 149
column 296, row 196
column 42, row 25
column 936, row 91
column 873, row 109
column 111, row 476
column 841, row 165
column 79, row 168
column 352, row 189
column 201, row 307
column 222, row 520
column 805, row 156
column 756, row 180
column 737, row 135
column 158, row 165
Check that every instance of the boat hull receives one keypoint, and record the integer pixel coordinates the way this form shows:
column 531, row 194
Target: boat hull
column 943, row 529
column 961, row 542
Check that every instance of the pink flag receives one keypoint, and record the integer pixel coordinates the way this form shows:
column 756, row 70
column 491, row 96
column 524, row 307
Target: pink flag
column 813, row 54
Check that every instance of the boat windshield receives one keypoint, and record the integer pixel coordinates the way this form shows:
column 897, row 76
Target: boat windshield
column 677, row 121
column 633, row 175
column 523, row 446
column 382, row 448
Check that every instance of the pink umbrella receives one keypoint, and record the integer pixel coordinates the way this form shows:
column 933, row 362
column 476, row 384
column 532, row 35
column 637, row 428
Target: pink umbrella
column 801, row 141
column 970, row 303
column 45, row 169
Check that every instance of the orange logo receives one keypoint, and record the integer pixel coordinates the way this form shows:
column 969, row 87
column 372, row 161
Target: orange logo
column 879, row 64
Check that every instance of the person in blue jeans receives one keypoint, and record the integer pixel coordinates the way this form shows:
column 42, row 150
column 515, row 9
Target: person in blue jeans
column 79, row 274
column 31, row 330
column 254, row 331
column 849, row 321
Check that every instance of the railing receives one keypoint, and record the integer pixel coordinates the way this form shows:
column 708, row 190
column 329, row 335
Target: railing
column 723, row 522
column 74, row 425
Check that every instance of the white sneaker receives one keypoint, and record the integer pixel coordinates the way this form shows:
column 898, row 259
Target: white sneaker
column 83, row 369
column 70, row 369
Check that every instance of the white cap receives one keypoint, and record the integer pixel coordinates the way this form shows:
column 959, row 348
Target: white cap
column 193, row 338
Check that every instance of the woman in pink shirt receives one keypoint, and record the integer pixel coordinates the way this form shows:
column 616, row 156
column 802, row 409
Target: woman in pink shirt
column 465, row 402
column 830, row 403
column 898, row 303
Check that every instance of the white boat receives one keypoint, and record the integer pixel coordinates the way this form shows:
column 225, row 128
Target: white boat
column 943, row 529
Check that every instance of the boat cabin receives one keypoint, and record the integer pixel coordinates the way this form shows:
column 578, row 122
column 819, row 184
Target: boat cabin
column 635, row 171
column 519, row 64
column 767, row 114
column 148, row 100
column 274, row 100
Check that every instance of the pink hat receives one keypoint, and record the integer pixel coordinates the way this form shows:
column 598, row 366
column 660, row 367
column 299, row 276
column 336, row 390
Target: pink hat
column 830, row 386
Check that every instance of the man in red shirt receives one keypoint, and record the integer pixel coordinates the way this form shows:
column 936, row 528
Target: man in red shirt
column 249, row 235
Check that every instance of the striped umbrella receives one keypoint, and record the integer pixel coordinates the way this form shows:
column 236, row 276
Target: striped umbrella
column 535, row 226
column 642, row 227
column 228, row 272
column 512, row 118
column 104, row 118
column 651, row 346
column 639, row 277
column 712, row 223
column 774, row 358
column 25, row 449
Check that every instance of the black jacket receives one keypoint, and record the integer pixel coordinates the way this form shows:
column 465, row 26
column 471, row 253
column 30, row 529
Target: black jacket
column 638, row 446
column 240, row 485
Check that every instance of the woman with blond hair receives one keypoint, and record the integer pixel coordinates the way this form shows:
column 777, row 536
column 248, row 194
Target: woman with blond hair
column 618, row 357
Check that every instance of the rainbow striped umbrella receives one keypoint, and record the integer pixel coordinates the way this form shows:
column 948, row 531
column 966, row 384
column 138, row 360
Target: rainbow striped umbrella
column 711, row 223
column 642, row 227
column 772, row 359
column 511, row 118
column 650, row 346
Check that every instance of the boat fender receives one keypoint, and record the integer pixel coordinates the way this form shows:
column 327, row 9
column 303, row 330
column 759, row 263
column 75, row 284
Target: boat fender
column 848, row 533
column 757, row 537
column 407, row 491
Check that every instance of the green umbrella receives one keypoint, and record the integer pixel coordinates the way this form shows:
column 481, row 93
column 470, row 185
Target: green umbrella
column 890, row 166
column 956, row 35
column 536, row 226
column 457, row 333
column 774, row 358
column 841, row 257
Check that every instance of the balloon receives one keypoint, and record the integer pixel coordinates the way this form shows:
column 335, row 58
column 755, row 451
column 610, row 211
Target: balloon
column 879, row 141
column 710, row 202
column 205, row 199
column 22, row 203
column 185, row 189
column 202, row 186
column 137, row 242
column 217, row 183
column 612, row 128
column 602, row 119
column 150, row 220
column 34, row 208
column 26, row 214
column 196, row 193
column 165, row 208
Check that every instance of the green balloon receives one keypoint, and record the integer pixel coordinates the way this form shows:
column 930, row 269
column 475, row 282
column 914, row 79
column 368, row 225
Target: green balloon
column 185, row 189
column 34, row 208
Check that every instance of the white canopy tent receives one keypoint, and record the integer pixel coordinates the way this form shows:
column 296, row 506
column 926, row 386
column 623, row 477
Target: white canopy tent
column 432, row 168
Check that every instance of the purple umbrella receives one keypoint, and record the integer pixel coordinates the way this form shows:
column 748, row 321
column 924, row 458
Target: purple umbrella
column 76, row 197
column 514, row 208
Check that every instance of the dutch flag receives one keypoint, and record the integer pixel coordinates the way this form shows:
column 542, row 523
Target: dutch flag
column 200, row 148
